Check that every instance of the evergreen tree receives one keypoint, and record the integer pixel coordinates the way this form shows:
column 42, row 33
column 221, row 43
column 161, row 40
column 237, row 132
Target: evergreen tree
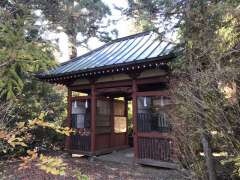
column 209, row 34
column 74, row 17
column 22, row 54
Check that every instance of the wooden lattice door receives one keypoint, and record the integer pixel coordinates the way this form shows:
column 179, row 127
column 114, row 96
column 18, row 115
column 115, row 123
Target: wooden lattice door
column 81, row 123
column 153, row 142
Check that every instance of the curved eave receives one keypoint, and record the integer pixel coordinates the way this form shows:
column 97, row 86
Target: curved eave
column 110, row 69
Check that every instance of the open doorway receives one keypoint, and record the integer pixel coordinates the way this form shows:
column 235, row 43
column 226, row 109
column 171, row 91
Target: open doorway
column 130, row 124
column 122, row 129
column 123, row 121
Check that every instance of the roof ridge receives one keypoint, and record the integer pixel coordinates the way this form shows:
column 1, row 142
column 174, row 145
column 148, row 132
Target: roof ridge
column 132, row 36
column 106, row 44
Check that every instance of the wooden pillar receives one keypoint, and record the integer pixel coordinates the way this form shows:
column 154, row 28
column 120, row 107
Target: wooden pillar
column 134, row 116
column 174, row 150
column 112, row 137
column 126, row 115
column 93, row 118
column 68, row 120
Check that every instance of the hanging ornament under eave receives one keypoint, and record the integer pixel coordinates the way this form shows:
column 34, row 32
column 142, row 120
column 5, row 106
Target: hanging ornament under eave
column 145, row 101
column 161, row 101
column 75, row 104
column 86, row 104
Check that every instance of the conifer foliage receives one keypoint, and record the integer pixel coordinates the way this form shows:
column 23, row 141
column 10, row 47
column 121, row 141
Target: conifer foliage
column 21, row 52
column 206, row 87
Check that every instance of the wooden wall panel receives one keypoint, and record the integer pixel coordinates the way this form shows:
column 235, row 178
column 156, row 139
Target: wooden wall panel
column 119, row 139
column 152, row 73
column 113, row 77
column 102, row 141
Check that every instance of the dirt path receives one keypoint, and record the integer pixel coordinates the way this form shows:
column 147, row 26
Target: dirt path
column 94, row 169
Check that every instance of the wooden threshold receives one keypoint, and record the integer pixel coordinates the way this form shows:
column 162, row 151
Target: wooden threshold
column 162, row 135
column 98, row 152
column 77, row 151
column 109, row 150
column 163, row 164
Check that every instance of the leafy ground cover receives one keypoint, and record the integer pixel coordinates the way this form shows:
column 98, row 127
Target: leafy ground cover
column 84, row 169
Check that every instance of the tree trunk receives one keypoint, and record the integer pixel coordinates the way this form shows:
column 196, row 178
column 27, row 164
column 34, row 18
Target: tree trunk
column 71, row 31
column 208, row 157
column 72, row 46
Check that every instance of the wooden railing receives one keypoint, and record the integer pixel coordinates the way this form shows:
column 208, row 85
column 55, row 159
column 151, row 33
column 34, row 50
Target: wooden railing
column 144, row 122
column 155, row 149
column 81, row 142
column 147, row 122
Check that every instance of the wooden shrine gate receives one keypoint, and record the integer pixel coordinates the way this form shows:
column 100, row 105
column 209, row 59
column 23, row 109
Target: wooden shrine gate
column 100, row 120
column 134, row 68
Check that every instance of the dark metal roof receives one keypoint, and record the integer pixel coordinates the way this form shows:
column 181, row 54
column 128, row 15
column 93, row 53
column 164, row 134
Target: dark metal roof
column 131, row 49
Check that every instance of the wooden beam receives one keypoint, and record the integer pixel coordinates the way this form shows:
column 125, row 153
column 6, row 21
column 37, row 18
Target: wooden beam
column 153, row 134
column 103, row 85
column 122, row 83
column 165, row 93
column 114, row 90
column 114, row 84
column 68, row 120
column 152, row 80
column 93, row 118
column 80, row 98
column 80, row 87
